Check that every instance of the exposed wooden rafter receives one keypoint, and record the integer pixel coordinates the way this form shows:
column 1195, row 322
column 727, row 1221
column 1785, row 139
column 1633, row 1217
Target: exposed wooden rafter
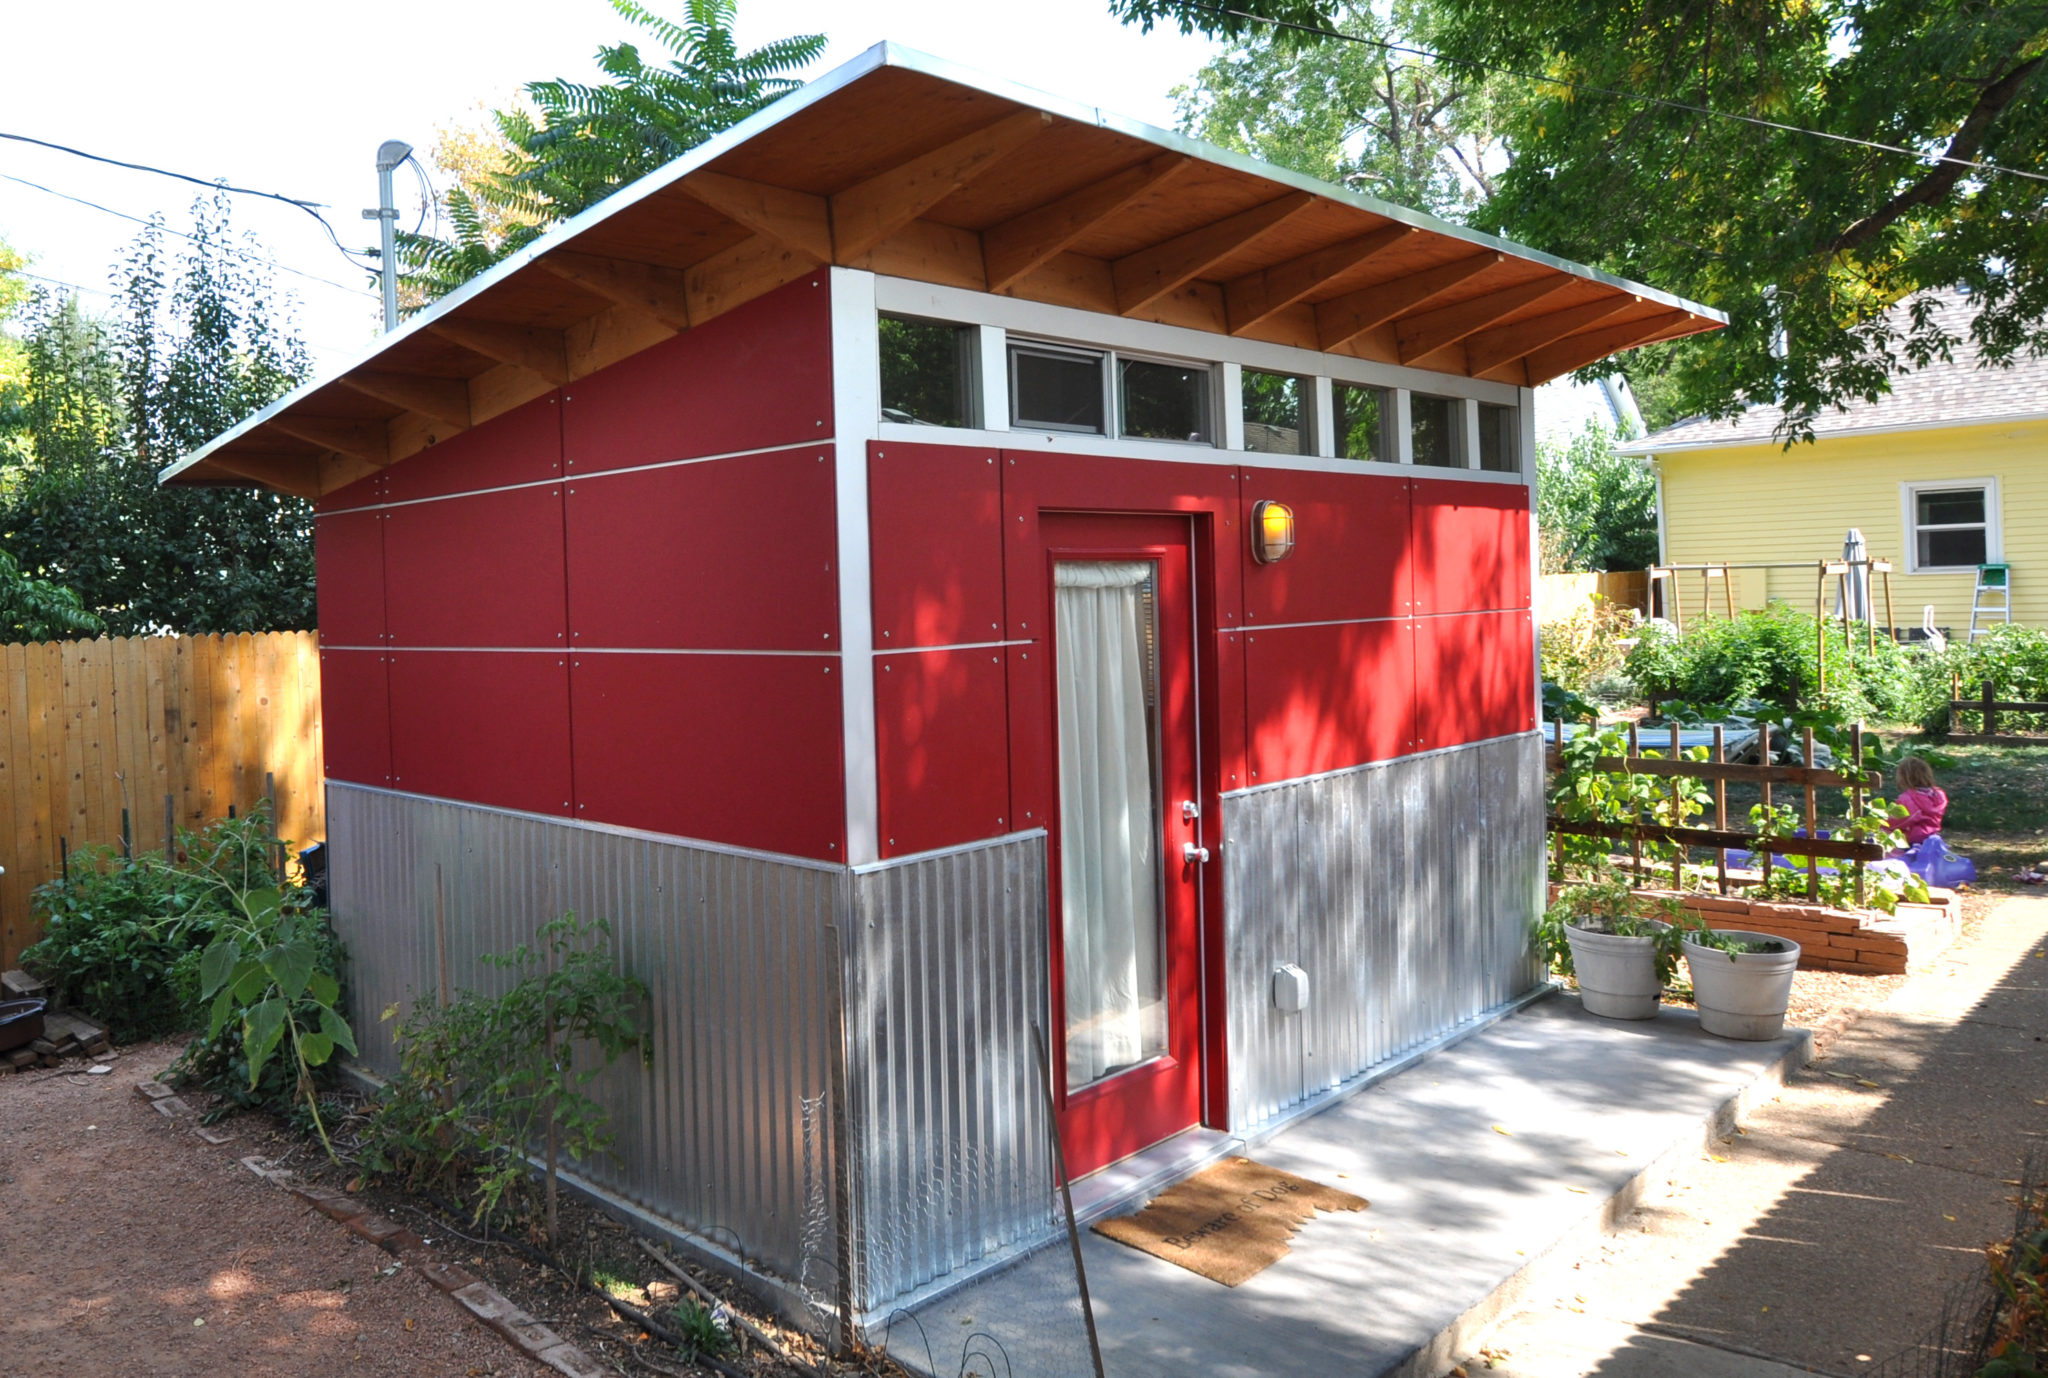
column 1428, row 332
column 1345, row 318
column 364, row 440
column 1144, row 277
column 649, row 288
column 1576, row 351
column 1024, row 242
column 867, row 213
column 1256, row 296
column 1491, row 349
column 534, row 348
column 795, row 218
column 439, row 399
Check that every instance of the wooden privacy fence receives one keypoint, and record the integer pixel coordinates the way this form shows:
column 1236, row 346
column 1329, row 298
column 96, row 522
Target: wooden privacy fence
column 1989, row 705
column 1558, row 596
column 97, row 736
column 1718, row 770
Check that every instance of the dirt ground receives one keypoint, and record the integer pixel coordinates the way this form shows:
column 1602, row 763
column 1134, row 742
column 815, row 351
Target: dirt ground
column 129, row 1247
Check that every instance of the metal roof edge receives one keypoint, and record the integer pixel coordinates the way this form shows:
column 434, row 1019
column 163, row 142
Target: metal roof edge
column 889, row 53
column 1646, row 447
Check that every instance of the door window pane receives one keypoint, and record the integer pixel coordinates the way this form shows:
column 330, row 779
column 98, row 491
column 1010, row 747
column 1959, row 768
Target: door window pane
column 927, row 368
column 1165, row 401
column 1056, row 389
column 1360, row 417
column 1274, row 423
column 1434, row 428
column 1113, row 941
column 1497, row 449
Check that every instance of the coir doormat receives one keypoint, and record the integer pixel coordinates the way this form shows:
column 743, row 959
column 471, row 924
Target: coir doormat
column 1228, row 1222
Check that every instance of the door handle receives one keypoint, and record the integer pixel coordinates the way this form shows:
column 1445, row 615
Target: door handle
column 1191, row 855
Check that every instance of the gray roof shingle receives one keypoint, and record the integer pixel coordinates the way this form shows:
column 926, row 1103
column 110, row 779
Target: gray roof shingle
column 1949, row 392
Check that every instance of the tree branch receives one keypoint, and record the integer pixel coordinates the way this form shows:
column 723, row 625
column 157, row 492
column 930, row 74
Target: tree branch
column 1938, row 183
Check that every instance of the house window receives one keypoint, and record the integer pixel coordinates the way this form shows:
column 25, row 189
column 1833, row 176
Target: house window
column 1359, row 416
column 1951, row 525
column 1433, row 429
column 1053, row 389
column 1273, row 420
column 1498, row 451
column 1164, row 401
column 927, row 372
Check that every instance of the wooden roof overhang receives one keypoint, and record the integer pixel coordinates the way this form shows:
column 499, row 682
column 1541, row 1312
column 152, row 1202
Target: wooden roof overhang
column 904, row 165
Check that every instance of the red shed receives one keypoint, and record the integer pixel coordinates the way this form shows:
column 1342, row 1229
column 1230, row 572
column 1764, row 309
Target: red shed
column 938, row 567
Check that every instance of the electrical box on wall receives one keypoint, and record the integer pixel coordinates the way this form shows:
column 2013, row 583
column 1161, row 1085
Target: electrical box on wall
column 1290, row 988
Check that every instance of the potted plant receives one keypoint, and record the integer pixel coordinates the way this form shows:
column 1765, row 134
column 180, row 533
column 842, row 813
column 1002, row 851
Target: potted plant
column 1741, row 981
column 1622, row 947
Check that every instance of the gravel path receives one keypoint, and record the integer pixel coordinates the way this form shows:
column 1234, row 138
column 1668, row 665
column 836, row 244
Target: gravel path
column 129, row 1247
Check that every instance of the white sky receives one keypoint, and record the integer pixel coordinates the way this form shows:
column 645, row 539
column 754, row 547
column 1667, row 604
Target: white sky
column 296, row 98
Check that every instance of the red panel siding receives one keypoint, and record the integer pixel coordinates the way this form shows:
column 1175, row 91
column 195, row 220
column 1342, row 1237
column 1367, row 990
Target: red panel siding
column 478, row 571
column 488, row 727
column 731, row 554
column 1328, row 697
column 944, row 767
column 1471, row 546
column 1351, row 553
column 755, row 377
column 1474, row 678
column 935, row 515
column 355, row 714
column 736, row 749
column 1235, row 768
column 348, row 554
column 522, row 446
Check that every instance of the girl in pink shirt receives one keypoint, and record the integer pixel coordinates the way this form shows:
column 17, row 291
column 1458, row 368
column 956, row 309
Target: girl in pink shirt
column 1923, row 799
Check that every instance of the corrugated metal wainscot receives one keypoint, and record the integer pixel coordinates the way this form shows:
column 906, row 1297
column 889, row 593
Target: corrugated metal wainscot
column 736, row 949
column 1406, row 891
column 947, row 1130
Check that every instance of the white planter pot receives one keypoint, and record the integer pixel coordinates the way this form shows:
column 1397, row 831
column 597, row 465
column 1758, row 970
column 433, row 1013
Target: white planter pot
column 1744, row 994
column 1617, row 976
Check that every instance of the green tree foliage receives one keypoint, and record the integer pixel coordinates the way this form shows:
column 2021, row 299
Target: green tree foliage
column 199, row 343
column 1804, row 241
column 1399, row 127
column 1595, row 509
column 577, row 144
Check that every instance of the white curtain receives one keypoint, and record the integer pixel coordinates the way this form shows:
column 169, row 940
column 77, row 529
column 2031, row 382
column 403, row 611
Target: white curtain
column 1109, row 829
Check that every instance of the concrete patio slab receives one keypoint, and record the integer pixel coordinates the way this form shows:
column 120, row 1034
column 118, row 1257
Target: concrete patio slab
column 1481, row 1160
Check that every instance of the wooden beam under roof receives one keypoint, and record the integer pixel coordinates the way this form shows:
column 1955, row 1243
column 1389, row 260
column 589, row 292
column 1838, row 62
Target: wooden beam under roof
column 364, row 440
column 662, row 293
column 440, row 399
column 1576, row 351
column 866, row 214
column 1144, row 277
column 1345, row 318
column 1491, row 349
column 534, row 348
column 796, row 218
column 1027, row 241
column 1256, row 296
column 1427, row 332
column 298, row 475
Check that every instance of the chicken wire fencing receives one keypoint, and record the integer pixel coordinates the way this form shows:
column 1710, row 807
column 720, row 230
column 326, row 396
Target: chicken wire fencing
column 1025, row 1314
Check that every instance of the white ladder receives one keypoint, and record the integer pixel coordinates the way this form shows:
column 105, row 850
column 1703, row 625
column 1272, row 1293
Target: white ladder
column 1993, row 595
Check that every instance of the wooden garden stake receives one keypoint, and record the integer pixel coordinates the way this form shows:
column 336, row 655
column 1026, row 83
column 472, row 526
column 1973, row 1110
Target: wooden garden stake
column 1763, row 758
column 1812, row 828
column 1820, row 629
column 1856, row 796
column 1720, row 810
column 1677, row 817
column 1990, row 709
column 1635, row 842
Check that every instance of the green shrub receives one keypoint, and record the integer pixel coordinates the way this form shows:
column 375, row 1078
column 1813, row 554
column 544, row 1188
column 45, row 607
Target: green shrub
column 1587, row 651
column 2012, row 657
column 484, row 1079
column 1769, row 655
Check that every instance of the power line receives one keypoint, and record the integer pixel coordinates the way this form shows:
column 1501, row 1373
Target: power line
column 1761, row 123
column 311, row 208
column 228, row 248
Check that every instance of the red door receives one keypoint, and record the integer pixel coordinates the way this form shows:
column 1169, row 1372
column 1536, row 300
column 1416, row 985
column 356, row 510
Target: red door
column 1126, row 865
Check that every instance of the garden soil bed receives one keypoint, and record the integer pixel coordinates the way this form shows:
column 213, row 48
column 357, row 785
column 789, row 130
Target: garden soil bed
column 129, row 1246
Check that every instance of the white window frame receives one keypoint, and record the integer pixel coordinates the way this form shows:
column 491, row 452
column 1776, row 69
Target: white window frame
column 1909, row 506
column 971, row 378
column 1105, row 372
column 1464, row 450
column 1119, row 357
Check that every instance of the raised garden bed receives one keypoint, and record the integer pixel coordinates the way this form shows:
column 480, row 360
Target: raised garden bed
column 1862, row 941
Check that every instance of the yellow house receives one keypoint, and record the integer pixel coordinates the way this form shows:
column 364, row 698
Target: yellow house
column 1947, row 472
